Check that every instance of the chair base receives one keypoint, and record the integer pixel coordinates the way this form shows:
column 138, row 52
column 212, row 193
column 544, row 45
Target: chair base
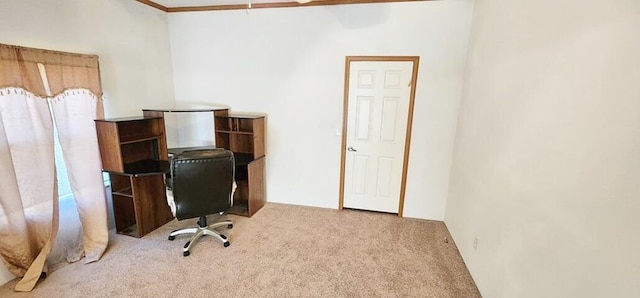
column 202, row 230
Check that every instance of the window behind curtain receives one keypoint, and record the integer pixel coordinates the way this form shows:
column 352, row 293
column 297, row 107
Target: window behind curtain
column 64, row 187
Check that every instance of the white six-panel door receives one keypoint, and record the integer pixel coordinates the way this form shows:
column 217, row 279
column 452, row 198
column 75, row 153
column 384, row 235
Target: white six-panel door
column 378, row 109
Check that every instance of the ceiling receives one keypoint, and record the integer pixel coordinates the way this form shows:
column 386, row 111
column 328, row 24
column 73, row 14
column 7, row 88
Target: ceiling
column 202, row 5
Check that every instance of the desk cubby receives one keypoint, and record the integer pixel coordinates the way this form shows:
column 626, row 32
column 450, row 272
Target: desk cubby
column 250, row 192
column 139, row 203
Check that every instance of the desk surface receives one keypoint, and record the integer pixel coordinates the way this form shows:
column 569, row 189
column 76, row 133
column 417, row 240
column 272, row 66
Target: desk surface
column 145, row 168
column 186, row 110
column 127, row 119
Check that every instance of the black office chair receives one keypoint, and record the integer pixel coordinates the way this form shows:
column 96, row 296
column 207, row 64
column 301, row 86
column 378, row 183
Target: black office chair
column 202, row 182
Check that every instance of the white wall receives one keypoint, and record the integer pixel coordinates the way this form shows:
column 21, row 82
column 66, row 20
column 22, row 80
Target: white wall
column 289, row 64
column 547, row 156
column 131, row 40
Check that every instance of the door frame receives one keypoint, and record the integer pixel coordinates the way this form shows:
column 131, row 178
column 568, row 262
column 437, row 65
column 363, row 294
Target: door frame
column 407, row 142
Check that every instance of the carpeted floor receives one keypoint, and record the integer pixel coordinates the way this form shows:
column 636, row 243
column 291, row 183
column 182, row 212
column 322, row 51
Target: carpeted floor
column 282, row 251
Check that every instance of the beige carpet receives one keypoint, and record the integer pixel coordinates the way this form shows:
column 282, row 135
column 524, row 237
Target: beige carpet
column 282, row 251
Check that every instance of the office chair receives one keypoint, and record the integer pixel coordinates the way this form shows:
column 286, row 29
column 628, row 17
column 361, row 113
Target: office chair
column 202, row 182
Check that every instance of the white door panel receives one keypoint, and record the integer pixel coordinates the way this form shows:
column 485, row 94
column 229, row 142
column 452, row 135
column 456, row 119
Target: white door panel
column 378, row 108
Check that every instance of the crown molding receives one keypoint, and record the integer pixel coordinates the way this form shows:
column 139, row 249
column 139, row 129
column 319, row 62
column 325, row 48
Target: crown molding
column 267, row 5
column 154, row 5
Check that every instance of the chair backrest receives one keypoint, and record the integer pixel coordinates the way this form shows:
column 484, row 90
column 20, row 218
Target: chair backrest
column 202, row 182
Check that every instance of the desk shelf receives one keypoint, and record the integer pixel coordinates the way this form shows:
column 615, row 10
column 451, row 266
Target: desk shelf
column 240, row 133
column 125, row 192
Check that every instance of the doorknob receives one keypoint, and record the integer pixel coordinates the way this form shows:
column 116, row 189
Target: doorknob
column 351, row 149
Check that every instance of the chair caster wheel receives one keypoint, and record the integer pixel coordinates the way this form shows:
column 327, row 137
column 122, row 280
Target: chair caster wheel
column 185, row 253
column 226, row 244
column 172, row 238
column 230, row 226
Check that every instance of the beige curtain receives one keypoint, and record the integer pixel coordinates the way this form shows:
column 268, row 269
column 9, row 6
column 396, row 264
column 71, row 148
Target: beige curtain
column 31, row 82
column 74, row 112
column 29, row 202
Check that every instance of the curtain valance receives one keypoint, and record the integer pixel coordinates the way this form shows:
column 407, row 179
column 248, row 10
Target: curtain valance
column 63, row 70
